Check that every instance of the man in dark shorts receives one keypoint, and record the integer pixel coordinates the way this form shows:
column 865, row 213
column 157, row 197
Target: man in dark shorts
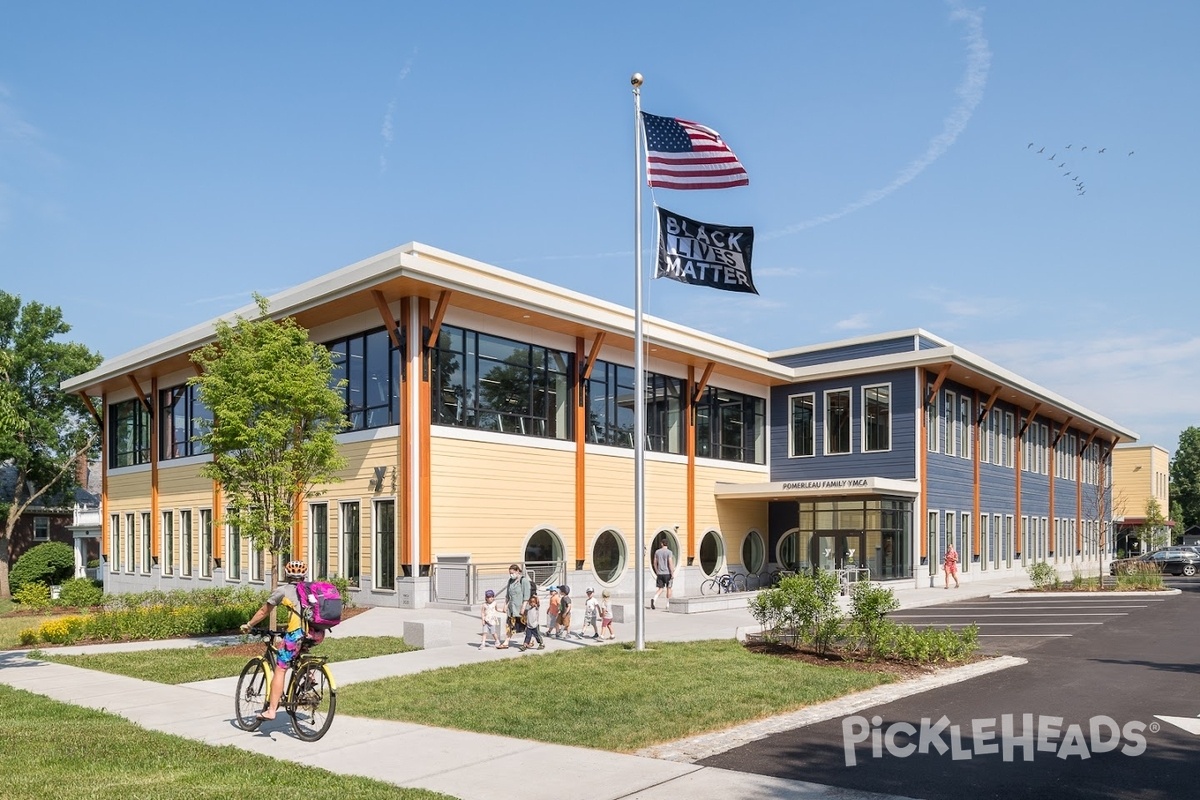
column 664, row 571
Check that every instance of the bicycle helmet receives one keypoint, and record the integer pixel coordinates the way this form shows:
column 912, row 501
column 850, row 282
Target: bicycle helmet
column 295, row 569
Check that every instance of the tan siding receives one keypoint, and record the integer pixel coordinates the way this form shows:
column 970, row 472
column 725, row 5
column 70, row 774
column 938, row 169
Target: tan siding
column 732, row 519
column 488, row 498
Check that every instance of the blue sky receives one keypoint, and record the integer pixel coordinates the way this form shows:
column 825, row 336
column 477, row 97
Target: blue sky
column 161, row 161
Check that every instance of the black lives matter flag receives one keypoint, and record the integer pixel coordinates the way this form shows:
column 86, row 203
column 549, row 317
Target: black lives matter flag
column 704, row 254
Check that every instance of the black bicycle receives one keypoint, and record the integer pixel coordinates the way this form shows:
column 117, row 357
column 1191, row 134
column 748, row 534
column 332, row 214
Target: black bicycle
column 310, row 697
column 722, row 584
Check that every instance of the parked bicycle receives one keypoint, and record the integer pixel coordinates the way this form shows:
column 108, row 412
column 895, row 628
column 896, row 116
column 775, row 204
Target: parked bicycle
column 722, row 584
column 310, row 697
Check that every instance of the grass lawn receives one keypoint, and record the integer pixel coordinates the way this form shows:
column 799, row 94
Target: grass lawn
column 12, row 625
column 200, row 663
column 613, row 697
column 81, row 753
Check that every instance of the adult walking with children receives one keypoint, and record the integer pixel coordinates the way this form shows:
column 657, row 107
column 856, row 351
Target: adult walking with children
column 516, row 593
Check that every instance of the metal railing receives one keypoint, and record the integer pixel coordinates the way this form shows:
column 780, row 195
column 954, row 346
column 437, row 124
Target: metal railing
column 465, row 582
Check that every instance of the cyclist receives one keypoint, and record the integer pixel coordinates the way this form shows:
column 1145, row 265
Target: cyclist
column 295, row 635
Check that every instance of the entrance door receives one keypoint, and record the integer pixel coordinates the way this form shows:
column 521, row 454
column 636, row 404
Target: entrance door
column 839, row 549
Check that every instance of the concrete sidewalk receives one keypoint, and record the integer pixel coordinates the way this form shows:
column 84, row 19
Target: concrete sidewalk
column 463, row 764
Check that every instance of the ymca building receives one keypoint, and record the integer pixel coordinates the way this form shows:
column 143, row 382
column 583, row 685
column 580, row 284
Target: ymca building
column 491, row 421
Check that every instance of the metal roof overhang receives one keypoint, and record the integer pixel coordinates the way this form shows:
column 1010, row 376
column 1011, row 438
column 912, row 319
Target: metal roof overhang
column 417, row 270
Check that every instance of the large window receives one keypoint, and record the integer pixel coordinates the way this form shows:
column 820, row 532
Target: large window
column 128, row 434
column 610, row 403
column 837, row 422
column 182, row 418
column 350, row 553
column 877, row 418
column 731, row 426
column 233, row 551
column 385, row 544
column 753, row 552
column 185, row 543
column 802, row 420
column 491, row 383
column 114, row 549
column 206, row 543
column 146, row 534
column 371, row 370
column 319, row 561
column 168, row 543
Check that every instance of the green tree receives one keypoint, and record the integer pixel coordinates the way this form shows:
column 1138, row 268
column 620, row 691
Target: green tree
column 1154, row 532
column 1185, row 477
column 275, row 420
column 43, row 431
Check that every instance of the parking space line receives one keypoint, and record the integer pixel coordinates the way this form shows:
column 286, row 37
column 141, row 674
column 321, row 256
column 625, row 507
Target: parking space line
column 1072, row 614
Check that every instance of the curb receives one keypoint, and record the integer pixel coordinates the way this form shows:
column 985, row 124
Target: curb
column 1086, row 595
column 696, row 748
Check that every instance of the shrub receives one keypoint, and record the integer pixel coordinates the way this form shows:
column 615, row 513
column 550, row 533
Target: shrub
column 803, row 608
column 49, row 562
column 867, row 625
column 81, row 593
column 343, row 587
column 1041, row 575
column 34, row 594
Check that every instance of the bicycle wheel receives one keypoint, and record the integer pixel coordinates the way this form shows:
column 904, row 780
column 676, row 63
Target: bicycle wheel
column 739, row 582
column 710, row 586
column 251, row 695
column 312, row 700
column 726, row 583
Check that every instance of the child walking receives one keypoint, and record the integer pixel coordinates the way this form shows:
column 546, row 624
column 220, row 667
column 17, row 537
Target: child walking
column 533, row 623
column 606, row 616
column 591, row 615
column 552, row 613
column 564, row 611
column 492, row 620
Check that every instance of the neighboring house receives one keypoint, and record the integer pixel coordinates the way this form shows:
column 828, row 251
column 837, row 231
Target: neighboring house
column 1140, row 473
column 58, row 519
column 492, row 421
column 1192, row 535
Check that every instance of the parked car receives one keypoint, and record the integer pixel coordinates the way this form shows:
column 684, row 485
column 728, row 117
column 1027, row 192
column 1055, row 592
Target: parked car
column 1174, row 561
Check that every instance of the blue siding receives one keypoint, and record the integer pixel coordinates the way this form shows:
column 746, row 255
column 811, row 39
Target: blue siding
column 925, row 343
column 899, row 462
column 884, row 347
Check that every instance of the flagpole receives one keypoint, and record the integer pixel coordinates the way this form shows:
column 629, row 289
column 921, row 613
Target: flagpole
column 639, row 384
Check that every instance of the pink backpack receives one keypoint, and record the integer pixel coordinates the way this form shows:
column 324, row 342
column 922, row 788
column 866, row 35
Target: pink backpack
column 320, row 604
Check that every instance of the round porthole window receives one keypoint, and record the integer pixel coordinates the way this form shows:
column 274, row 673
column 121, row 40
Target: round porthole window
column 753, row 553
column 712, row 553
column 608, row 556
column 543, row 556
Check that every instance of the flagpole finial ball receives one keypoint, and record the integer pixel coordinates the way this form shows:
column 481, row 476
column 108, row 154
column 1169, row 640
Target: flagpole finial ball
column 636, row 79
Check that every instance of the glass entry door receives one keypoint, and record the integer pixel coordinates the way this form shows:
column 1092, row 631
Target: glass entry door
column 839, row 550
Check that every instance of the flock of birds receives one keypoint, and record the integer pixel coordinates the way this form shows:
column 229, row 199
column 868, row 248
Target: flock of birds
column 1080, row 186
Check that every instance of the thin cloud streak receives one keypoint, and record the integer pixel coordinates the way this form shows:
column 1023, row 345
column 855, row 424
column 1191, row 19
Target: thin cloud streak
column 970, row 92
column 387, row 132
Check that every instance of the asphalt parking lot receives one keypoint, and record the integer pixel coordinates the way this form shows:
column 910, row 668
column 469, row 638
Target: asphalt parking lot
column 1105, row 707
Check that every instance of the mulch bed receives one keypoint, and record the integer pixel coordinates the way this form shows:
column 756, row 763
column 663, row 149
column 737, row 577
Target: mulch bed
column 901, row 670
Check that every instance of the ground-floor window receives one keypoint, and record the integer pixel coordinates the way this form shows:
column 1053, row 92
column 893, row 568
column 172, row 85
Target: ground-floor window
column 168, row 543
column 385, row 544
column 608, row 556
column 185, row 543
column 542, row 555
column 114, row 550
column 146, row 558
column 350, row 556
column 206, row 543
column 875, row 534
column 712, row 552
column 130, row 545
column 233, row 552
column 753, row 553
column 968, row 544
column 319, row 558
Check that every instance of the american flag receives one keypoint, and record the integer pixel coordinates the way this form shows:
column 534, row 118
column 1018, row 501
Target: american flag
column 687, row 155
